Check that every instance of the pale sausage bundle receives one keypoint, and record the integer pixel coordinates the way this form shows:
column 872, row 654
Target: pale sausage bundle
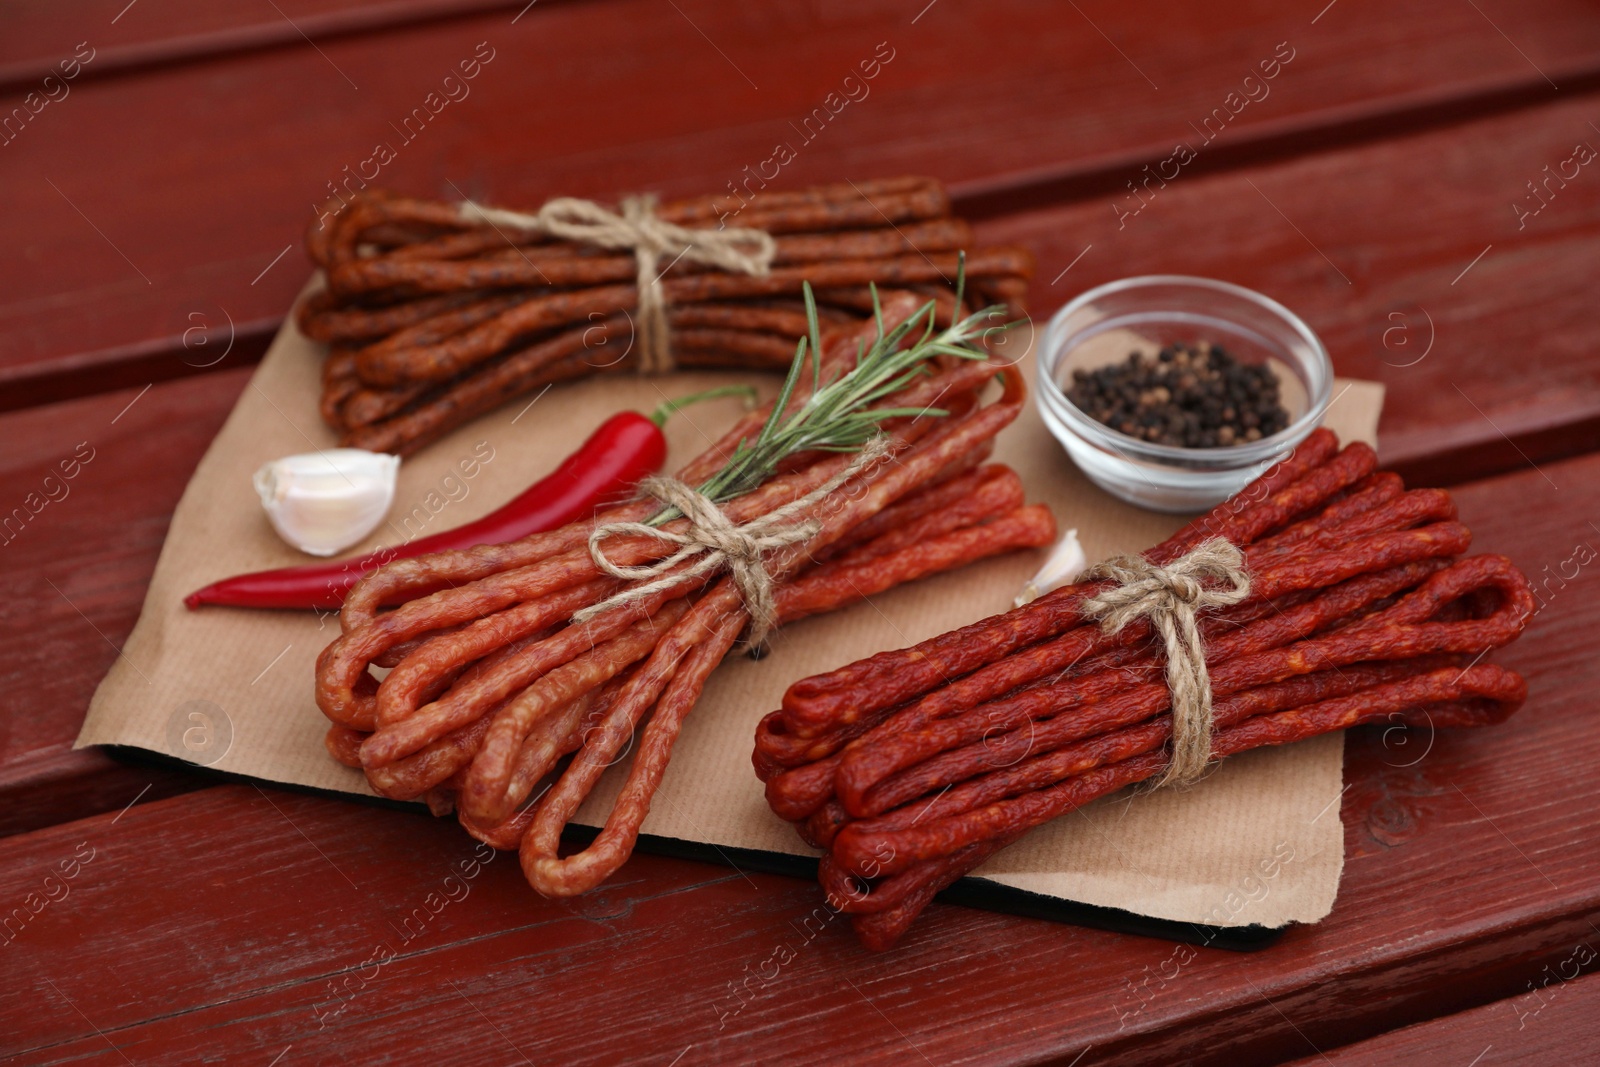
column 434, row 316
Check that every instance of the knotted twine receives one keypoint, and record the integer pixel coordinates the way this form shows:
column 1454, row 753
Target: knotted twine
column 648, row 237
column 1170, row 597
column 720, row 542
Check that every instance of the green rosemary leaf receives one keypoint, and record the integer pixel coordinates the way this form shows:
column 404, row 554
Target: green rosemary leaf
column 839, row 415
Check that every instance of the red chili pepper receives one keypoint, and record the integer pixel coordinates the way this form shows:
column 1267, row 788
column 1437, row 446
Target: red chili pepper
column 626, row 448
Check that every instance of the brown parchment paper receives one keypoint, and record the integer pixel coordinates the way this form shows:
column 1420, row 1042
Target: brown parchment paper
column 1258, row 841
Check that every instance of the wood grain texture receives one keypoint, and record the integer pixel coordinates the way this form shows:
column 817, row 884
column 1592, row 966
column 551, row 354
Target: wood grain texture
column 241, row 924
column 1555, row 1020
column 248, row 921
column 118, row 266
column 1409, row 259
column 139, row 34
column 74, row 577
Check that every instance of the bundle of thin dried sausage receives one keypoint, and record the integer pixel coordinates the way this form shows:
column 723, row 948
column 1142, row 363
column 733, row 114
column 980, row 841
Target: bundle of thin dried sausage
column 912, row 767
column 435, row 315
column 505, row 659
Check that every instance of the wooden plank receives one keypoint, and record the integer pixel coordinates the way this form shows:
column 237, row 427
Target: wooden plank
column 1409, row 259
column 123, row 37
column 120, row 266
column 1556, row 1020
column 1461, row 393
column 235, row 922
column 77, row 559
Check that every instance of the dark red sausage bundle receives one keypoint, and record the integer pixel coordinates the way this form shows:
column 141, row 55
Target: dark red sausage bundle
column 912, row 767
column 493, row 682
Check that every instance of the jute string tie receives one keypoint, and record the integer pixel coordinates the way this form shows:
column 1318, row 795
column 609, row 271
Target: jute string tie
column 1171, row 597
column 650, row 238
column 719, row 543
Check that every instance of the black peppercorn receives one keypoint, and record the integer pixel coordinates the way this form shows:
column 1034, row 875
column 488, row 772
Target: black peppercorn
column 1189, row 395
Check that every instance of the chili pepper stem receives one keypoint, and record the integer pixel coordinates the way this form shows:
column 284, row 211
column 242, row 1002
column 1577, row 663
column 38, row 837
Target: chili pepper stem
column 669, row 408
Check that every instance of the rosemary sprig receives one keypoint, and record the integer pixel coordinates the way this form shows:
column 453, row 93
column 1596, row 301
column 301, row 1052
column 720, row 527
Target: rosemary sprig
column 839, row 415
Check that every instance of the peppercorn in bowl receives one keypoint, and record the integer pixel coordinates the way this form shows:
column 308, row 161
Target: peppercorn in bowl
column 1174, row 392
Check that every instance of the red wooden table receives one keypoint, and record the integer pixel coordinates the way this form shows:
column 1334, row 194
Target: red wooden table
column 1392, row 182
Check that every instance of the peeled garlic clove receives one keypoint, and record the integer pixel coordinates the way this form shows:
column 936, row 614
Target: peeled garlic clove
column 1066, row 562
column 324, row 502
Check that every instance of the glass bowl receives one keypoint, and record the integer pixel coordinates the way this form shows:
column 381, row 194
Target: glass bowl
column 1147, row 313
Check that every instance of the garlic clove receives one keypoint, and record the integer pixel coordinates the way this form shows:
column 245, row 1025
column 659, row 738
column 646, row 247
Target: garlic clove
column 1066, row 562
column 324, row 502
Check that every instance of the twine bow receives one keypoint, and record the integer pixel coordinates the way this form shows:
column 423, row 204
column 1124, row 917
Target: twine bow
column 649, row 237
column 719, row 542
column 1170, row 597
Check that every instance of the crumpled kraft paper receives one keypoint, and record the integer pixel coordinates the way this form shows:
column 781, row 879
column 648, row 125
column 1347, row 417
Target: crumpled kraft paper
column 1259, row 841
